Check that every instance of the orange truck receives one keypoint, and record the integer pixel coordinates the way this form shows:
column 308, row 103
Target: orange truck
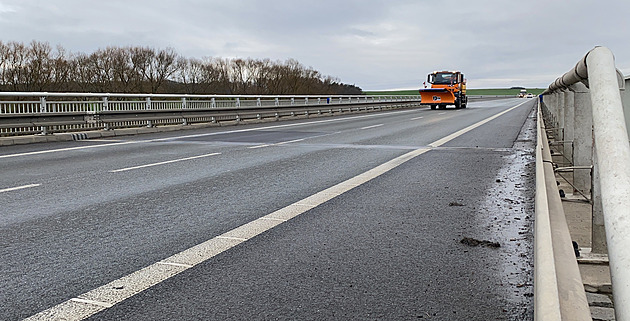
column 447, row 88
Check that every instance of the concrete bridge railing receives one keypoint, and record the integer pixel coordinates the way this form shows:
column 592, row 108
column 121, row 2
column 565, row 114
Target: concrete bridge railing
column 585, row 112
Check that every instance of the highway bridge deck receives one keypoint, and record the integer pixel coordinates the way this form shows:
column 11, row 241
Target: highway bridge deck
column 81, row 215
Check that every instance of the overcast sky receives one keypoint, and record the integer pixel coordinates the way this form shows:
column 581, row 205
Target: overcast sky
column 372, row 44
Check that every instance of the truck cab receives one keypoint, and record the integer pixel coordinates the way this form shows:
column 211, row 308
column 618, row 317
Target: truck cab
column 447, row 88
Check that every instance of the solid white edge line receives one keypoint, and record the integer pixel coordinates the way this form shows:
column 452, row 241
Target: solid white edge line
column 163, row 163
column 151, row 275
column 18, row 188
column 415, row 118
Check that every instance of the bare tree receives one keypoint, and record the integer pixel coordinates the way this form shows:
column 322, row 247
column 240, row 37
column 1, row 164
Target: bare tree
column 154, row 66
column 37, row 67
column 125, row 77
column 39, row 73
column 15, row 62
column 5, row 64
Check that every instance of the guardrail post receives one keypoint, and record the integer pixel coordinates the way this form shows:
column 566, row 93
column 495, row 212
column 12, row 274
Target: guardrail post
column 292, row 101
column 569, row 119
column 238, row 102
column 213, row 103
column 552, row 109
column 42, row 109
column 556, row 112
column 184, row 121
column 305, row 100
column 258, row 103
column 582, row 137
column 42, row 104
column 106, row 108
column 277, row 102
column 560, row 117
column 583, row 156
column 148, row 106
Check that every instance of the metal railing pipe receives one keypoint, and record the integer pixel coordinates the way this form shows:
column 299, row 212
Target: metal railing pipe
column 613, row 157
column 577, row 74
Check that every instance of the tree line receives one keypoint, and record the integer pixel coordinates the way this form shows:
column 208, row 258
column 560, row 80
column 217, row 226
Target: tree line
column 134, row 69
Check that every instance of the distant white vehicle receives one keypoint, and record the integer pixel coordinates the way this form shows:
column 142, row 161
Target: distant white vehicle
column 530, row 95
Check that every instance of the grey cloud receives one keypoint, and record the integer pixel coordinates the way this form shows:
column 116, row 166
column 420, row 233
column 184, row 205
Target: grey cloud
column 373, row 44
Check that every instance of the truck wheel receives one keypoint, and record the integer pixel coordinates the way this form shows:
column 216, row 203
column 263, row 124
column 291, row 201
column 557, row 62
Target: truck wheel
column 442, row 106
column 433, row 107
column 458, row 104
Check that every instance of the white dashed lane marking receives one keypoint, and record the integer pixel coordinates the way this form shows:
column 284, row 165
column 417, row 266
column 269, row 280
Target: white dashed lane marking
column 162, row 163
column 10, row 189
column 373, row 126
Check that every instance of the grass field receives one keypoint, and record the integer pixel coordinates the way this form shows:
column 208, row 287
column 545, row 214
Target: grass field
column 471, row 92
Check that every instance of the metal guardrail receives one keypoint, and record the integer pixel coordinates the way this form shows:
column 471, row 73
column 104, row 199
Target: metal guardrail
column 574, row 110
column 43, row 113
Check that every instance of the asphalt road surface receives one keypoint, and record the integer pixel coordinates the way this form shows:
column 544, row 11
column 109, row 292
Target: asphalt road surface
column 363, row 217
